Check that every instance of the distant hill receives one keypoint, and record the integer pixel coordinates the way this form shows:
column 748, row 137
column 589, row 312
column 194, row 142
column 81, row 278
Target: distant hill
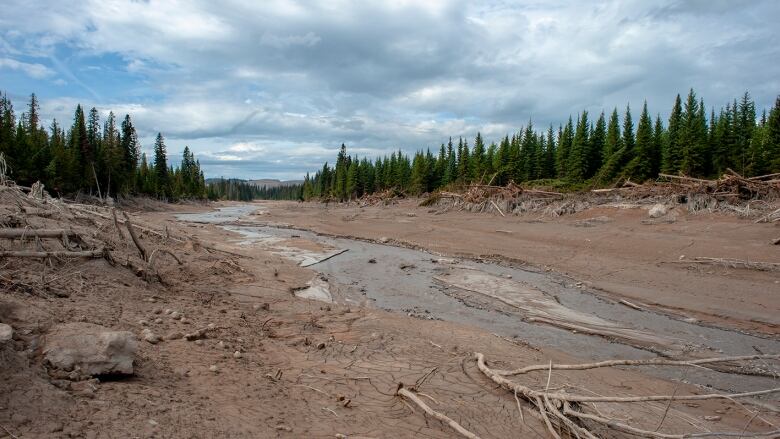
column 263, row 182
column 271, row 183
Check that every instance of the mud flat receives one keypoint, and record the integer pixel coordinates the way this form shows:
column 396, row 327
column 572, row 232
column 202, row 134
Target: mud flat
column 539, row 307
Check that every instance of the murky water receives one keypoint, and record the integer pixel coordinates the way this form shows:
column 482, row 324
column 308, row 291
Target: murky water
column 402, row 280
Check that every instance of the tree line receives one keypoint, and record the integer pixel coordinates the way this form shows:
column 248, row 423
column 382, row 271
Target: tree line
column 90, row 157
column 576, row 154
column 241, row 190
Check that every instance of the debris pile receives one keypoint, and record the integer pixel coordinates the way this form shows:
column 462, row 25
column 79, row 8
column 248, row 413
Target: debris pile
column 732, row 193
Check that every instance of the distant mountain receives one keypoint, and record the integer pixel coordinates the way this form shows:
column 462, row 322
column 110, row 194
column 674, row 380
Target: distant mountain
column 263, row 182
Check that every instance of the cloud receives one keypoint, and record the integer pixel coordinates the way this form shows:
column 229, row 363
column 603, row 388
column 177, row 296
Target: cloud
column 37, row 71
column 285, row 82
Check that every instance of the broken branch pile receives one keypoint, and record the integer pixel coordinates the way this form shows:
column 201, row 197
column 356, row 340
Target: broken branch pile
column 586, row 416
column 732, row 193
column 60, row 233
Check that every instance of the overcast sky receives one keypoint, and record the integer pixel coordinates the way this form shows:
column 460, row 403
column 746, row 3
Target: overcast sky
column 272, row 88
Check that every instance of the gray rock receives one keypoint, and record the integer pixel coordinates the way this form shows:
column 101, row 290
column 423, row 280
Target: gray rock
column 6, row 333
column 657, row 211
column 93, row 349
column 150, row 336
column 175, row 335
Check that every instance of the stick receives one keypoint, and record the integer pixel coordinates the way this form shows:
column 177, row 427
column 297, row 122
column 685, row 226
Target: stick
column 157, row 251
column 630, row 305
column 684, row 178
column 497, row 208
column 52, row 254
column 137, row 243
column 441, row 417
column 326, row 258
column 648, row 362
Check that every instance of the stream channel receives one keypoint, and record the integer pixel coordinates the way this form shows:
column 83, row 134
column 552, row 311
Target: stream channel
column 416, row 283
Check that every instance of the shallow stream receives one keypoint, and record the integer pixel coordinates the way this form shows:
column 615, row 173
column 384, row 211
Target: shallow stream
column 404, row 280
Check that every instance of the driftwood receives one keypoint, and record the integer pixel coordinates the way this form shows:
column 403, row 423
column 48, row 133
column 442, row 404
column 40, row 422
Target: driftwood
column 405, row 393
column 326, row 258
column 630, row 304
column 497, row 208
column 52, row 254
column 35, row 233
column 137, row 243
column 549, row 403
column 647, row 362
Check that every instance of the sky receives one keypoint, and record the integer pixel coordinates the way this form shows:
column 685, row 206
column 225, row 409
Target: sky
column 272, row 88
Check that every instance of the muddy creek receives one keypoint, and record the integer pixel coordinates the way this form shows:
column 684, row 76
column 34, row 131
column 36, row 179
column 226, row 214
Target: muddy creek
column 528, row 305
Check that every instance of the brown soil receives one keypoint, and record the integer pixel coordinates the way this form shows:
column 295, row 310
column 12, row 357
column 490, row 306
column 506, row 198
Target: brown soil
column 310, row 369
column 620, row 252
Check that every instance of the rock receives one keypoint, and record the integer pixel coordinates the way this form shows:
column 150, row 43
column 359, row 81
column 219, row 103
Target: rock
column 372, row 261
column 384, row 240
column 658, row 211
column 222, row 345
column 712, row 418
column 150, row 336
column 184, row 321
column 211, row 326
column 168, row 311
column 199, row 342
column 143, row 323
column 237, row 354
column 320, row 345
column 94, row 349
column 158, row 311
column 175, row 335
column 213, row 368
column 158, row 321
column 176, row 315
column 6, row 333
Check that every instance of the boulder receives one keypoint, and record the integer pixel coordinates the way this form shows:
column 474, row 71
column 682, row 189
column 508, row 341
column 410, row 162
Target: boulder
column 94, row 349
column 657, row 211
column 6, row 333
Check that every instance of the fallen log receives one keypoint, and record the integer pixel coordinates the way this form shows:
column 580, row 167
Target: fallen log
column 36, row 233
column 52, row 254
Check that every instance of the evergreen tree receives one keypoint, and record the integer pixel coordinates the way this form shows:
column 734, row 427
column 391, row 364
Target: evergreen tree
column 671, row 159
column 565, row 140
column 161, row 174
column 613, row 141
column 772, row 138
column 577, row 167
column 598, row 142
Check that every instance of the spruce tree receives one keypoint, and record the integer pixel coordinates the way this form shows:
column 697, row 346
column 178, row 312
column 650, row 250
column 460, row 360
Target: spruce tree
column 772, row 138
column 672, row 154
column 566, row 137
column 598, row 142
column 613, row 140
column 161, row 176
column 577, row 168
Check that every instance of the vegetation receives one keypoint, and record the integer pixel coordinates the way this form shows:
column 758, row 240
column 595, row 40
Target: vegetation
column 92, row 158
column 240, row 190
column 579, row 154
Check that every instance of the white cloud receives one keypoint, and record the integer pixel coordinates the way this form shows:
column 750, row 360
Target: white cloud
column 34, row 70
column 384, row 75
